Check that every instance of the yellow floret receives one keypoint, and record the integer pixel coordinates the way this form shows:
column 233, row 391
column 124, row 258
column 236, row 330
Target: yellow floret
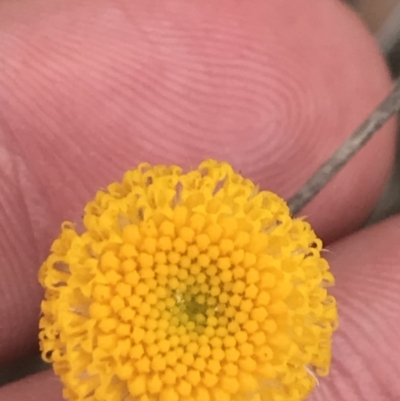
column 188, row 286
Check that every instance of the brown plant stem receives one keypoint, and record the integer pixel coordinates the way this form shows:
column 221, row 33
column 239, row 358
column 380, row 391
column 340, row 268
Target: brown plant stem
column 352, row 145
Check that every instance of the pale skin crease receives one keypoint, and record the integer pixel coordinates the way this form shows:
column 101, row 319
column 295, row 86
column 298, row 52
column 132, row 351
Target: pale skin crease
column 89, row 89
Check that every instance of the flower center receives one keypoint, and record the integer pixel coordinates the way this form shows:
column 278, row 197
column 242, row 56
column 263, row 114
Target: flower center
column 194, row 307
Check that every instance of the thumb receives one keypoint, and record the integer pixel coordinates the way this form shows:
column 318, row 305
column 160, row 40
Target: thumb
column 366, row 350
column 93, row 88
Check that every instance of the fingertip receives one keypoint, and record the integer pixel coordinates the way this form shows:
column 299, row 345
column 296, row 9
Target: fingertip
column 273, row 88
column 366, row 352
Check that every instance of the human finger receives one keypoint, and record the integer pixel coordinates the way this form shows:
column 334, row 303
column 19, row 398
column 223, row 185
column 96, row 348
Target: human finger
column 366, row 352
column 90, row 89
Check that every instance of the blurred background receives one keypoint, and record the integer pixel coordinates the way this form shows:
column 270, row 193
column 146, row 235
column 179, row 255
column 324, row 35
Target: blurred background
column 383, row 19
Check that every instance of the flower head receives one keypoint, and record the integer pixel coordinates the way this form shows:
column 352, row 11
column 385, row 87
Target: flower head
column 187, row 287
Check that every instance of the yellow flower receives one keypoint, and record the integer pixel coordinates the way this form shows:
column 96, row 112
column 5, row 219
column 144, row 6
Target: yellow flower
column 187, row 287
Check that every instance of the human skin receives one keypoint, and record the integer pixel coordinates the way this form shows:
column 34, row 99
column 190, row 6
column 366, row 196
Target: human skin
column 88, row 89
